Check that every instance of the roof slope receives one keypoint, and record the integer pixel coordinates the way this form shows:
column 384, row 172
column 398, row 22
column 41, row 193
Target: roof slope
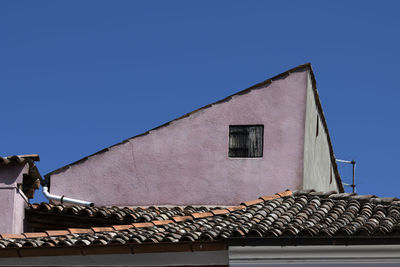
column 45, row 216
column 306, row 66
column 296, row 215
column 19, row 159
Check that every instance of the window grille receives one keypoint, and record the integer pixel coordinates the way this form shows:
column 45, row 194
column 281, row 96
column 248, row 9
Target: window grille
column 246, row 141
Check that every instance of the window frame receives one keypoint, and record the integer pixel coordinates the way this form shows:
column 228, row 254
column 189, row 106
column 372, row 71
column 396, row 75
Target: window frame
column 261, row 150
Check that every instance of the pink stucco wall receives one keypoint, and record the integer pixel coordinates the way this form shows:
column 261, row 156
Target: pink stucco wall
column 187, row 161
column 12, row 200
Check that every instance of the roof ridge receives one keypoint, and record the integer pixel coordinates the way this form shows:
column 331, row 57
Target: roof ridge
column 177, row 219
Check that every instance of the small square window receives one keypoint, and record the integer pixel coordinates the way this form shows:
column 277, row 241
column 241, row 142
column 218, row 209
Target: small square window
column 246, row 141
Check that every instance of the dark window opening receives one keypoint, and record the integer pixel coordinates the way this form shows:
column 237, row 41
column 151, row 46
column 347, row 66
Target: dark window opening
column 317, row 132
column 246, row 141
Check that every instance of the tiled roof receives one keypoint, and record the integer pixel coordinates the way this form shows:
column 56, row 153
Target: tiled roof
column 301, row 214
column 46, row 216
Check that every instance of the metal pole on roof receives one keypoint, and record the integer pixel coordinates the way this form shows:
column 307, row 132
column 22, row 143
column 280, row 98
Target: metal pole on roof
column 352, row 162
column 344, row 161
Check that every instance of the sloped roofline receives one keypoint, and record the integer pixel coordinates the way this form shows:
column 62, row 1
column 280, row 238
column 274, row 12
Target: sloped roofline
column 178, row 219
column 370, row 233
column 322, row 116
column 306, row 66
column 19, row 159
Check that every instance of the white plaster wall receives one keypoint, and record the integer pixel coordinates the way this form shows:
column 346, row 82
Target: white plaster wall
column 318, row 170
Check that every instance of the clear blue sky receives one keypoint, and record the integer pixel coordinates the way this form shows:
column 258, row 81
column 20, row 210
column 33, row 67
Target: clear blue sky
column 78, row 76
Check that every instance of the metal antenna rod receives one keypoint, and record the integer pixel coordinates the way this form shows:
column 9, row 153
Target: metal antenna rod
column 352, row 162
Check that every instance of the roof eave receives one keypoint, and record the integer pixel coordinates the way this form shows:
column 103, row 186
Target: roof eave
column 113, row 249
column 312, row 240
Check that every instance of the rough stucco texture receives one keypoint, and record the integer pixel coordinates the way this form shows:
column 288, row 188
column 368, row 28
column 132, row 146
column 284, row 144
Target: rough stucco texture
column 12, row 203
column 187, row 163
column 318, row 170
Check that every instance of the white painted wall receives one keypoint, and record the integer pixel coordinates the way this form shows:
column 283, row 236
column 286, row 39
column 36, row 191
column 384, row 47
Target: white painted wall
column 318, row 170
column 323, row 255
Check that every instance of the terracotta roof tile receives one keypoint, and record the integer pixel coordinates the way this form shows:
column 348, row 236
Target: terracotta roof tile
column 234, row 208
column 89, row 216
column 269, row 197
column 286, row 193
column 80, row 231
column 11, row 236
column 35, row 235
column 252, row 202
column 102, row 229
column 122, row 227
column 140, row 225
column 162, row 222
column 219, row 211
column 57, row 232
column 301, row 214
column 182, row 218
column 198, row 215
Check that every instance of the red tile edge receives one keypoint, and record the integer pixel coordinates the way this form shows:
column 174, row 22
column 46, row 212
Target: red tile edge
column 12, row 236
column 122, row 227
column 269, row 197
column 285, row 193
column 80, row 230
column 102, row 229
column 252, row 202
column 35, row 235
column 234, row 208
column 200, row 215
column 57, row 232
column 162, row 222
column 177, row 219
column 219, row 211
column 181, row 218
column 140, row 225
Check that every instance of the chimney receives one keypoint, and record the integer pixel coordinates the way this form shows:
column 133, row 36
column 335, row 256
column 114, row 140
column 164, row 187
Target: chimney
column 19, row 178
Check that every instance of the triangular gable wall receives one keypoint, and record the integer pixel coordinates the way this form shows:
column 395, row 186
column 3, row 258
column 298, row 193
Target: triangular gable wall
column 186, row 161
